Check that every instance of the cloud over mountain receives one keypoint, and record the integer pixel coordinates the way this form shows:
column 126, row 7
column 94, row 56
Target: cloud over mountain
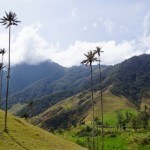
column 30, row 47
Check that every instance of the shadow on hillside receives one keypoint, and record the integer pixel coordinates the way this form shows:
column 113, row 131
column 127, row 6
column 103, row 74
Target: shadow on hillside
column 17, row 142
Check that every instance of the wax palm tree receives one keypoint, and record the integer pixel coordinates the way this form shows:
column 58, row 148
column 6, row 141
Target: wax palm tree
column 98, row 51
column 8, row 20
column 2, row 52
column 89, row 60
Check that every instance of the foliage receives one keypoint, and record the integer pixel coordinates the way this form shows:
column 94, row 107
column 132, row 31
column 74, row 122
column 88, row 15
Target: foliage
column 132, row 78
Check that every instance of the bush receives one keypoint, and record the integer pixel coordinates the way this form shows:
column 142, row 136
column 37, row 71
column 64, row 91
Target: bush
column 81, row 143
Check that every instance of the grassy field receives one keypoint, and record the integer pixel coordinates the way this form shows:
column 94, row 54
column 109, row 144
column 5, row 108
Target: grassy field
column 112, row 104
column 22, row 135
column 113, row 139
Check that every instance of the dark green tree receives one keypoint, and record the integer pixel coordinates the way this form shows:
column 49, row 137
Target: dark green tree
column 89, row 60
column 136, row 122
column 8, row 20
column 145, row 116
column 119, row 119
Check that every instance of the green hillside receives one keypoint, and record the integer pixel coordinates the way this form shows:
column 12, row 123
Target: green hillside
column 71, row 119
column 63, row 80
column 112, row 104
column 127, row 79
column 131, row 78
column 78, row 108
column 22, row 135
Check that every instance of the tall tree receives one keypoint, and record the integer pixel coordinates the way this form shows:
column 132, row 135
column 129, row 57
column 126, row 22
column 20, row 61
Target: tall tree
column 89, row 60
column 8, row 20
column 98, row 51
column 2, row 52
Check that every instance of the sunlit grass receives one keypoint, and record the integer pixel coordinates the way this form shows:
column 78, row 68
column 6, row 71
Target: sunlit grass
column 22, row 135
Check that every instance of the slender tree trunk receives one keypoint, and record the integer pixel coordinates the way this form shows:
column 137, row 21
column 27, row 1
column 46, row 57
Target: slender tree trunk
column 1, row 83
column 1, row 88
column 101, row 98
column 97, row 136
column 93, row 144
column 7, row 84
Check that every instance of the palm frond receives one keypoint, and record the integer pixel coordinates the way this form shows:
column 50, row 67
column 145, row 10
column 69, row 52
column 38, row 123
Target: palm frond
column 90, row 58
column 9, row 19
column 84, row 61
column 2, row 51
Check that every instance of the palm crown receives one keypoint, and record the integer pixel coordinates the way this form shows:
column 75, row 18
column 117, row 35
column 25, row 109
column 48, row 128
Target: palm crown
column 90, row 58
column 9, row 19
column 2, row 51
column 98, row 51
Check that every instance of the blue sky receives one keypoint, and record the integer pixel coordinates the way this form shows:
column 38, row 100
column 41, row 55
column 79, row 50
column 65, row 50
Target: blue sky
column 60, row 30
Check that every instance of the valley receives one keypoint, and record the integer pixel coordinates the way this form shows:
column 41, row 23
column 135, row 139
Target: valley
column 59, row 101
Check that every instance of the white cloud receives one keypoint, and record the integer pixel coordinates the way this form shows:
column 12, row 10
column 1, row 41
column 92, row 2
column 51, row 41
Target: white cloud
column 109, row 26
column 113, row 52
column 30, row 47
column 74, row 12
column 95, row 24
column 85, row 28
column 147, row 25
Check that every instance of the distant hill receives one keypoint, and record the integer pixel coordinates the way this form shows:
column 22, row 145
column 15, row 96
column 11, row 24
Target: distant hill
column 69, row 80
column 49, row 83
column 23, row 75
column 126, row 79
column 75, row 80
column 22, row 135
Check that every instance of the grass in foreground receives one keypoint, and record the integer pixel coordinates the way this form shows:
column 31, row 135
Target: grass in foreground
column 22, row 135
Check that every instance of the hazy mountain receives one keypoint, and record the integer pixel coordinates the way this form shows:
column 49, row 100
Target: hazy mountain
column 70, row 82
column 24, row 76
column 53, row 83
column 125, row 79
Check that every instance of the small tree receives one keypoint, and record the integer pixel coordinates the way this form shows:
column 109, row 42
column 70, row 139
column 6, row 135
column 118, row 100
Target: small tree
column 119, row 119
column 136, row 122
column 144, row 116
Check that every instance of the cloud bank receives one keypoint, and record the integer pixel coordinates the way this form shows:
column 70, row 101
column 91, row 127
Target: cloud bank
column 31, row 48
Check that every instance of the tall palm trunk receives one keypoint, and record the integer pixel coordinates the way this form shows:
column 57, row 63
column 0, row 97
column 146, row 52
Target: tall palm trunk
column 93, row 143
column 1, row 83
column 101, row 98
column 7, row 84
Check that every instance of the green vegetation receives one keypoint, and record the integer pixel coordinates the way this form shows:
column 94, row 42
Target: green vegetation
column 73, row 121
column 66, row 111
column 78, row 109
column 132, row 78
column 22, row 135
column 113, row 139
